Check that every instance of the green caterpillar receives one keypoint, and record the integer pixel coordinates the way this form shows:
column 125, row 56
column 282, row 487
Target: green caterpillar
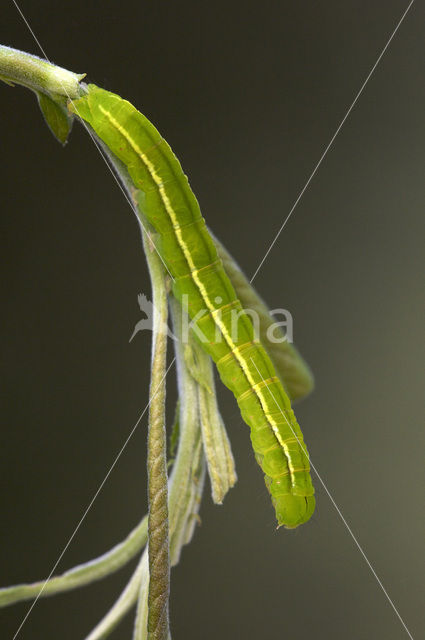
column 163, row 196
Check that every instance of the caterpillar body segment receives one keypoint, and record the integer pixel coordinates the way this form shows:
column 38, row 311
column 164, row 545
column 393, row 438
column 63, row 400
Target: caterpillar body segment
column 165, row 198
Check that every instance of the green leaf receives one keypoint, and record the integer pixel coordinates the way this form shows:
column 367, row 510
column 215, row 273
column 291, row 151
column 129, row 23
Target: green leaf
column 290, row 366
column 82, row 574
column 198, row 368
column 7, row 81
column 57, row 118
column 217, row 449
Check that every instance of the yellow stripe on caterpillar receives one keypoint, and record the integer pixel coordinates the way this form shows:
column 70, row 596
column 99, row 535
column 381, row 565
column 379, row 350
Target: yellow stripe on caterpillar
column 255, row 388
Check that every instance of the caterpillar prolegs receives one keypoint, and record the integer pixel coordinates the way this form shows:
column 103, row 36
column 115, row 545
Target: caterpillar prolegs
column 165, row 199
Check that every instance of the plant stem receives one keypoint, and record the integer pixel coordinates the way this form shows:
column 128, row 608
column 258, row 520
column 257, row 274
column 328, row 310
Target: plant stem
column 187, row 476
column 82, row 574
column 124, row 603
column 37, row 74
column 158, row 546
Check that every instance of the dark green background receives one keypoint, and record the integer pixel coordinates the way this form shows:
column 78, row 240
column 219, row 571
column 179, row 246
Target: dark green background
column 248, row 95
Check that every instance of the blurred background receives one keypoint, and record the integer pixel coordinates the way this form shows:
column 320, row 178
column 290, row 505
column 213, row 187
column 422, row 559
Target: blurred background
column 248, row 95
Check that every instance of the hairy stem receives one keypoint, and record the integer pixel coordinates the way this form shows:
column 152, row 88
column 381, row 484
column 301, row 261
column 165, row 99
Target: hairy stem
column 82, row 574
column 38, row 74
column 124, row 603
column 159, row 560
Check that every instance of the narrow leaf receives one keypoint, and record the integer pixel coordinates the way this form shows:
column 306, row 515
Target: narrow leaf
column 221, row 466
column 198, row 366
column 290, row 366
column 56, row 116
column 82, row 574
